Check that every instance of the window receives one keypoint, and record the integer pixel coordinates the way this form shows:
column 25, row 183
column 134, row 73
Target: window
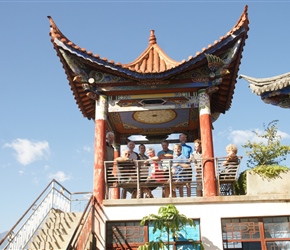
column 123, row 235
column 269, row 233
column 130, row 235
column 182, row 242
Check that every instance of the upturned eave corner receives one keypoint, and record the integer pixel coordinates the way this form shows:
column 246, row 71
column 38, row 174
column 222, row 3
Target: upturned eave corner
column 243, row 20
column 153, row 66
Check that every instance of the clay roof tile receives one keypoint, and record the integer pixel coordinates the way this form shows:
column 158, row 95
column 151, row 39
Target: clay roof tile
column 153, row 59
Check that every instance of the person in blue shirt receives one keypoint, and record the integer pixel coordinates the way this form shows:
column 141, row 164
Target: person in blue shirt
column 181, row 170
column 186, row 150
column 165, row 153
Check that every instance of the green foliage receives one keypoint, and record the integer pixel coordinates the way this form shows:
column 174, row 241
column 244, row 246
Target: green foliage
column 151, row 246
column 169, row 221
column 270, row 171
column 269, row 151
column 240, row 186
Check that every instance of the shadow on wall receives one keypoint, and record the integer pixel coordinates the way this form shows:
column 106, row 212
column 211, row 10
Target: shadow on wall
column 209, row 245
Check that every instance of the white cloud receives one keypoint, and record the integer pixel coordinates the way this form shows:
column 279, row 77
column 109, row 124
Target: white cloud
column 28, row 152
column 59, row 176
column 87, row 149
column 240, row 137
column 283, row 135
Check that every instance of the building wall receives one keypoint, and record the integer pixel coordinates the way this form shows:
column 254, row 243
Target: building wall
column 209, row 210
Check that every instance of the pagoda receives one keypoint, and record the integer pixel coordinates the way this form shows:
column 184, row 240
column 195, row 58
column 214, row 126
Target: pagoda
column 154, row 96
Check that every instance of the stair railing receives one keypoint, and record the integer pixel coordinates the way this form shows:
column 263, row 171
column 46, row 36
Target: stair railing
column 54, row 196
column 83, row 231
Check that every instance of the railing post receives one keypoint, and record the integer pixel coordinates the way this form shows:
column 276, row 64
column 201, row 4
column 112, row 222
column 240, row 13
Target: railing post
column 138, row 179
column 52, row 193
column 70, row 204
column 170, row 177
column 216, row 161
column 115, row 191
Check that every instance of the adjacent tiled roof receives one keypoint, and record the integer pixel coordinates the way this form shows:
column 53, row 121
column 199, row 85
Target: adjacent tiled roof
column 263, row 85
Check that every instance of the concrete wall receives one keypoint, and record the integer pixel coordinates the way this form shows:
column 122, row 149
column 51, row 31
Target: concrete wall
column 256, row 185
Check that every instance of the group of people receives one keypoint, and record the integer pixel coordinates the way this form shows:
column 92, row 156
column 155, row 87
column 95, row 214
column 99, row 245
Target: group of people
column 181, row 157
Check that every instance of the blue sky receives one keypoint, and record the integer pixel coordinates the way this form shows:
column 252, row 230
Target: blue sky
column 43, row 134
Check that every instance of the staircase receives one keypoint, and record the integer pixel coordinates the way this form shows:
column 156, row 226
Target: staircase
column 56, row 231
column 50, row 222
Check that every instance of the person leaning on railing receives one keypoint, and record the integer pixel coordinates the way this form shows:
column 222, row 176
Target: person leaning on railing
column 165, row 153
column 133, row 155
column 157, row 175
column 142, row 150
column 196, row 159
column 232, row 157
column 181, row 170
column 230, row 163
column 127, row 174
column 164, row 156
column 126, row 170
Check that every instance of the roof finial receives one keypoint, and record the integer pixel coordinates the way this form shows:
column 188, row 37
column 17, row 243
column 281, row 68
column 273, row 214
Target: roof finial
column 152, row 38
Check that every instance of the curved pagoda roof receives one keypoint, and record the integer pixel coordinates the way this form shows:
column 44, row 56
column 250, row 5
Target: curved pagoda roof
column 273, row 90
column 154, row 85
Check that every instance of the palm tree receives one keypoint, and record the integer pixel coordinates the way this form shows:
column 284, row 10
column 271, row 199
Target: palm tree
column 168, row 221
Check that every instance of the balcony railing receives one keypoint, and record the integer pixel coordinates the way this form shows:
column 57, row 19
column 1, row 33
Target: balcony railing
column 167, row 178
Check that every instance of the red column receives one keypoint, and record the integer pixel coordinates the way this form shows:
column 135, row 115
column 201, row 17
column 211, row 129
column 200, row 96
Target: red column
column 209, row 180
column 100, row 148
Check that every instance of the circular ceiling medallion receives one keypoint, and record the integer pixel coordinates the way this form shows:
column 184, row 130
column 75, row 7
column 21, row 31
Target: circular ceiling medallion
column 154, row 116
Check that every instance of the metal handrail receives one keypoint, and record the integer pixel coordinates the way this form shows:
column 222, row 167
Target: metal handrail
column 53, row 196
column 81, row 225
column 113, row 178
column 25, row 213
column 226, row 173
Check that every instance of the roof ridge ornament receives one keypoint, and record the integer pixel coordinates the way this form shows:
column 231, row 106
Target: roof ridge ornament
column 152, row 38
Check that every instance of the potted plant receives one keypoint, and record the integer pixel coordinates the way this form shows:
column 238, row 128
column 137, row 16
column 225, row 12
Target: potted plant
column 264, row 158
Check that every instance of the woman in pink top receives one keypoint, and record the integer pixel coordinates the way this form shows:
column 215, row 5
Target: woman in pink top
column 156, row 173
